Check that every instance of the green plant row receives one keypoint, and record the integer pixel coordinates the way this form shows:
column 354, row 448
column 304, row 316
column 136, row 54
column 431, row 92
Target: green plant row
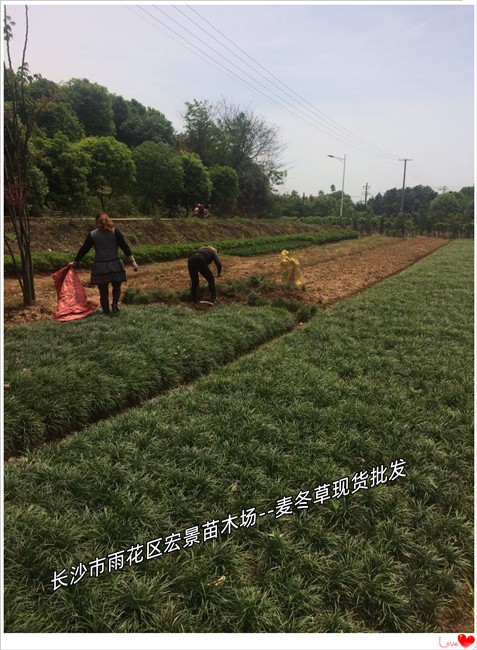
column 384, row 377
column 46, row 262
column 62, row 376
column 256, row 291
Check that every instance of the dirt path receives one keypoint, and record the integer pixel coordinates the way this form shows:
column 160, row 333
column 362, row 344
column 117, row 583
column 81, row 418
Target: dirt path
column 330, row 272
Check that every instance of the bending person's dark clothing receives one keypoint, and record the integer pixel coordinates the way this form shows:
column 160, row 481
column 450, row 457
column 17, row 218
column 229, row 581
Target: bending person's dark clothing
column 198, row 262
column 210, row 256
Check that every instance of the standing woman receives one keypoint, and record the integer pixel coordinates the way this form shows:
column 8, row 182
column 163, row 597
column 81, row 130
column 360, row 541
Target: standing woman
column 107, row 267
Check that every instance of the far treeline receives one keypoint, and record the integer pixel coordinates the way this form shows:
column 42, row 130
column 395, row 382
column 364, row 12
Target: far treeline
column 86, row 138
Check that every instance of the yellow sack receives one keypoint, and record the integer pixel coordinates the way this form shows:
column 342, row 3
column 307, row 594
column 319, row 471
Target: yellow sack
column 290, row 269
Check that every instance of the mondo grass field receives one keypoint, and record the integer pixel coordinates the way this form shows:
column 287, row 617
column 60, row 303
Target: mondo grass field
column 323, row 483
column 62, row 376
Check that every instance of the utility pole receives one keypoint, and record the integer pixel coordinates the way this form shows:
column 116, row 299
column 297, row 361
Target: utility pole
column 443, row 188
column 343, row 160
column 404, row 160
column 365, row 188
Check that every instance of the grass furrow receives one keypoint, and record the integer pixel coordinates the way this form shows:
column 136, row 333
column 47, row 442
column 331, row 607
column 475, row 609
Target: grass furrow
column 62, row 376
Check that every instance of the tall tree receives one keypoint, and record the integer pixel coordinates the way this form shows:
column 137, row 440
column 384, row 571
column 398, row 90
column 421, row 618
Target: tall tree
column 202, row 135
column 92, row 104
column 112, row 163
column 197, row 184
column 249, row 138
column 141, row 124
column 58, row 117
column 159, row 177
column 444, row 207
column 67, row 169
column 17, row 133
column 255, row 194
column 225, row 188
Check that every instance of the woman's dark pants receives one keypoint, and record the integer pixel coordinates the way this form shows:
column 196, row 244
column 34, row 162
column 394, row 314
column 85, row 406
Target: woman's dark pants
column 104, row 295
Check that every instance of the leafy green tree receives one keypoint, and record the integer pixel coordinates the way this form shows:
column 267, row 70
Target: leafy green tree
column 202, row 135
column 41, row 87
column 292, row 204
column 120, row 108
column 255, row 194
column 37, row 190
column 420, row 198
column 197, row 183
column 348, row 205
column 92, row 104
column 376, row 202
column 112, row 163
column 59, row 118
column 141, row 124
column 159, row 177
column 466, row 200
column 53, row 114
column 325, row 205
column 391, row 202
column 225, row 188
column 67, row 168
column 443, row 207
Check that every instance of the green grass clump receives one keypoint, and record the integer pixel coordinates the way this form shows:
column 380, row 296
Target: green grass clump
column 134, row 296
column 256, row 291
column 62, row 376
column 387, row 375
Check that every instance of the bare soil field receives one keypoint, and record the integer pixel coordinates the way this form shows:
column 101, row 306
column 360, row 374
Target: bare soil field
column 330, row 273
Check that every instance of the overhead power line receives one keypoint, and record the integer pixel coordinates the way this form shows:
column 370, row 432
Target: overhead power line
column 215, row 63
column 365, row 148
column 300, row 100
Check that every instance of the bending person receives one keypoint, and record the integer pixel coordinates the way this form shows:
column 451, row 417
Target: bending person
column 198, row 262
column 108, row 268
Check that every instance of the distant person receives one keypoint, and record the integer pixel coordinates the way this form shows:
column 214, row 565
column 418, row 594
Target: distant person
column 198, row 262
column 108, row 268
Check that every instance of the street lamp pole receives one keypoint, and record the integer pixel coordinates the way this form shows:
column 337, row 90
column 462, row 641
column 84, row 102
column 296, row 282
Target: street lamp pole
column 343, row 160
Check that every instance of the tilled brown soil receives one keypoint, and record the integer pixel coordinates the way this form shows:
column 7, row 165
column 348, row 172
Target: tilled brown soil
column 330, row 273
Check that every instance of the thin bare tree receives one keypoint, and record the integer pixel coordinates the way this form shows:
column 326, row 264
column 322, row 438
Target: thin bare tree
column 19, row 121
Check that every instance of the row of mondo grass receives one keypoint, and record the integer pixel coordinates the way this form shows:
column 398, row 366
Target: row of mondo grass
column 260, row 245
column 62, row 376
column 384, row 376
column 255, row 291
column 49, row 262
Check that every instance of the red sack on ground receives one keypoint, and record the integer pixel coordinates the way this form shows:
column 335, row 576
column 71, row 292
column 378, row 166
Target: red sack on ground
column 72, row 300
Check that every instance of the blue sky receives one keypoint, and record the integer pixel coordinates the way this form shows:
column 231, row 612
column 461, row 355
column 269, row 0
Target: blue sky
column 398, row 77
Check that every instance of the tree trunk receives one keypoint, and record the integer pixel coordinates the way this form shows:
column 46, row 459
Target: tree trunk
column 17, row 132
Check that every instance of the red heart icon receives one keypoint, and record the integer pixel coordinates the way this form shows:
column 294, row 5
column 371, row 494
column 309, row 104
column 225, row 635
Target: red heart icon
column 465, row 641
